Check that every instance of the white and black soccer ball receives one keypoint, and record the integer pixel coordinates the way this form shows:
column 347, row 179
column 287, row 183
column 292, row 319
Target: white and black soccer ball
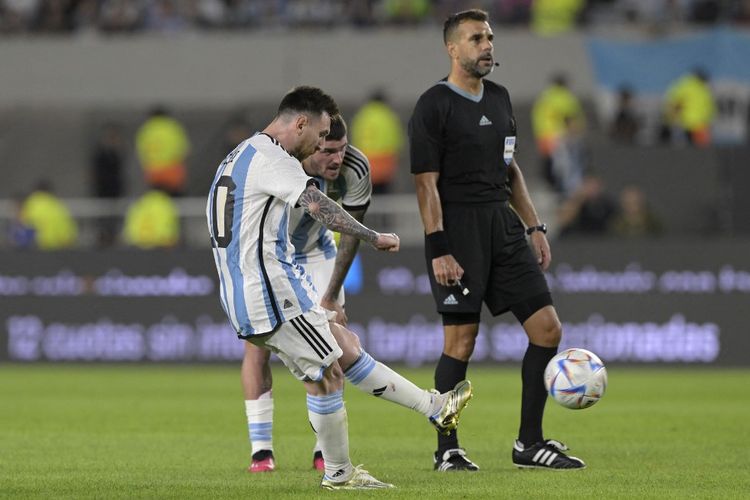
column 576, row 378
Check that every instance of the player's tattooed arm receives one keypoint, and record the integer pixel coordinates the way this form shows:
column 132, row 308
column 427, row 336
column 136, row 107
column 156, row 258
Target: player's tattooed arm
column 331, row 215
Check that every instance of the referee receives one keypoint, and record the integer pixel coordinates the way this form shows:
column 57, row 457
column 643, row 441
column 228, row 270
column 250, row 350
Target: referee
column 477, row 213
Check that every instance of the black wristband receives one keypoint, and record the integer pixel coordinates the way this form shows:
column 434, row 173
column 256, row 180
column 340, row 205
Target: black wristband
column 437, row 244
column 541, row 228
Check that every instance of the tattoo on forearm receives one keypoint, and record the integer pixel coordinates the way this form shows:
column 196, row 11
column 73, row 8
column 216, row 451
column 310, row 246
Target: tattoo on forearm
column 331, row 215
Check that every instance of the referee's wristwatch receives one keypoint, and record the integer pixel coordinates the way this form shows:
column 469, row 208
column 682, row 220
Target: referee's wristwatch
column 542, row 228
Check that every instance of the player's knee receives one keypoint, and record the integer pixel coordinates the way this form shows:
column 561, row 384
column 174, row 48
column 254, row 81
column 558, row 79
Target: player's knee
column 333, row 379
column 548, row 334
column 352, row 340
column 554, row 333
column 349, row 342
column 460, row 346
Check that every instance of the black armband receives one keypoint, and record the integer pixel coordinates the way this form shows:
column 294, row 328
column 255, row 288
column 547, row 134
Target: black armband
column 437, row 244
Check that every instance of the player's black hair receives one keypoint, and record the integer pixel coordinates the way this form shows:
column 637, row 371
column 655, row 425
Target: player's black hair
column 560, row 78
column 304, row 99
column 701, row 73
column 158, row 110
column 338, row 128
column 454, row 20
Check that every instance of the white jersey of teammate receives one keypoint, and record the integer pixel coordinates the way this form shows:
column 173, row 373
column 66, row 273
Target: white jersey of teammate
column 248, row 213
column 312, row 241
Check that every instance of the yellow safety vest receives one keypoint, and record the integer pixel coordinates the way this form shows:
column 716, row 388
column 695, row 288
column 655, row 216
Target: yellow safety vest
column 54, row 227
column 152, row 221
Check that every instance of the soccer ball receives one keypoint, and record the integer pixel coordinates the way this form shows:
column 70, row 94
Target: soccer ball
column 575, row 378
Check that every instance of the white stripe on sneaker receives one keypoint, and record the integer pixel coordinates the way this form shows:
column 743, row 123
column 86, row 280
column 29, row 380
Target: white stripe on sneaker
column 538, row 455
column 551, row 459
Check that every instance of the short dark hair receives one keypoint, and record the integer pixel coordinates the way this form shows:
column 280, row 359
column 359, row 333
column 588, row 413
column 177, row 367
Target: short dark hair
column 450, row 25
column 338, row 128
column 304, row 99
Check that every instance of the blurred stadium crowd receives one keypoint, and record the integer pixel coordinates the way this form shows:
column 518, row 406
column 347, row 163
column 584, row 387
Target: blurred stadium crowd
column 570, row 162
column 542, row 16
column 573, row 157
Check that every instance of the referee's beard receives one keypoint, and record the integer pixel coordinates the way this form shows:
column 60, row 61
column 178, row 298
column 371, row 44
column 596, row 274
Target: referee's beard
column 474, row 68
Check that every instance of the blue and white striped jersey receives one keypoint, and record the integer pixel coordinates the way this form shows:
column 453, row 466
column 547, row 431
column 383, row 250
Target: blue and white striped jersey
column 248, row 211
column 312, row 241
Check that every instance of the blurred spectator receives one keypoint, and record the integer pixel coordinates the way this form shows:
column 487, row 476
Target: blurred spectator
column 107, row 164
column 513, row 11
column 377, row 131
column 589, row 211
column 20, row 234
column 406, row 11
column 120, row 16
column 657, row 16
column 545, row 17
column 635, row 218
column 165, row 17
column 568, row 161
column 689, row 110
column 558, row 121
column 56, row 16
column 17, row 16
column 209, row 13
column 321, row 13
column 705, row 11
column 163, row 146
column 554, row 17
column 54, row 227
column 625, row 126
column 85, row 16
column 241, row 13
column 152, row 221
column 361, row 12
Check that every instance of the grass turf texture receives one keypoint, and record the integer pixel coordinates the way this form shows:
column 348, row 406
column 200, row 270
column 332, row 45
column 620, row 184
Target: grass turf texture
column 180, row 432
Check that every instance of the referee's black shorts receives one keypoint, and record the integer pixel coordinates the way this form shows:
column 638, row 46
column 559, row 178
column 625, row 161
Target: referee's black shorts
column 500, row 269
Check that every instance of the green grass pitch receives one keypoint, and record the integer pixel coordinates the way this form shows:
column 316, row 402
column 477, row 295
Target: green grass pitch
column 142, row 431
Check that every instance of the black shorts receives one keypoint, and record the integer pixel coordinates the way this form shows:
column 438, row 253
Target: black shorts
column 500, row 269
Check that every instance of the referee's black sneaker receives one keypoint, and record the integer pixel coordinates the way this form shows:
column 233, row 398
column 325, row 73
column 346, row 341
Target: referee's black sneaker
column 545, row 455
column 454, row 459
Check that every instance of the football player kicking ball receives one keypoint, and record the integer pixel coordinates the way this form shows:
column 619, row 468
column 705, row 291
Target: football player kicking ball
column 343, row 173
column 271, row 302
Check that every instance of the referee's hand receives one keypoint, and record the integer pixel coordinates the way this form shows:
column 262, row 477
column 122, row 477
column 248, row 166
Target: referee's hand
column 446, row 270
column 540, row 245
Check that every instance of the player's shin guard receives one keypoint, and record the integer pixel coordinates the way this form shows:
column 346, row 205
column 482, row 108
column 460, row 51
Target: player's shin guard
column 327, row 416
column 377, row 379
column 259, row 414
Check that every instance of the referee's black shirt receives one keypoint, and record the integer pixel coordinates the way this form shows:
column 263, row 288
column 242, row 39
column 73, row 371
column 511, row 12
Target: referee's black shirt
column 468, row 139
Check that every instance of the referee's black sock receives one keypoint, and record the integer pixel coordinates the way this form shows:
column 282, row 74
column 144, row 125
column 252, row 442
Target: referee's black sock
column 448, row 372
column 533, row 394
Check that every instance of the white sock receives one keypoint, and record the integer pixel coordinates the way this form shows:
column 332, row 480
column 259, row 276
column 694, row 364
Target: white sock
column 327, row 416
column 377, row 379
column 260, row 422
